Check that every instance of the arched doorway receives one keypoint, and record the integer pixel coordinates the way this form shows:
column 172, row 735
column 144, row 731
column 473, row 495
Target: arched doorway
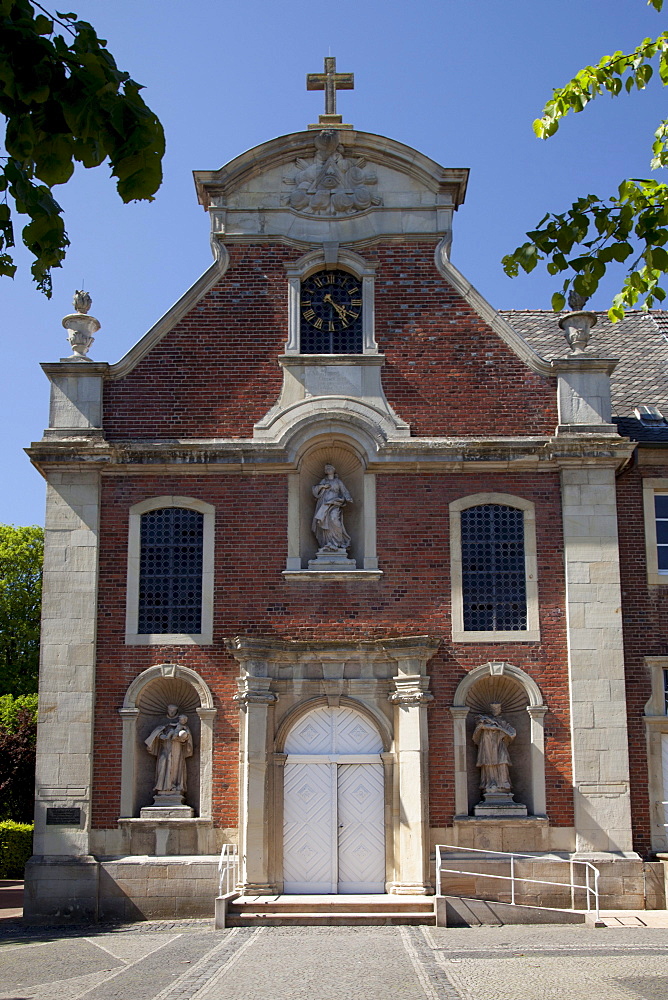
column 333, row 814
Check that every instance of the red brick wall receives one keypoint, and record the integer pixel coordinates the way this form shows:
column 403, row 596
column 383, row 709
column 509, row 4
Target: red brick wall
column 216, row 374
column 645, row 618
column 251, row 596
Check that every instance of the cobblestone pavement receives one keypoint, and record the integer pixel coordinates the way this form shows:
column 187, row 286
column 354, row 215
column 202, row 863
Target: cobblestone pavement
column 187, row 960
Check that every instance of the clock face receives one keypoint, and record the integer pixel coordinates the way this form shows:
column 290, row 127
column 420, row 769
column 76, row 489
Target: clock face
column 331, row 313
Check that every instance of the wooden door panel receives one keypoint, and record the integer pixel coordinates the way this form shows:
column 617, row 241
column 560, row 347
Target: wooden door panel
column 308, row 829
column 361, row 816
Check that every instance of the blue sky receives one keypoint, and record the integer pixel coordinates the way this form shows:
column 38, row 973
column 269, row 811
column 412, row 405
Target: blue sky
column 461, row 80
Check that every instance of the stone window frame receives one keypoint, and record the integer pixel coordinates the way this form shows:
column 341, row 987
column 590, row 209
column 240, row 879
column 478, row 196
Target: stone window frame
column 330, row 255
column 656, row 728
column 650, row 488
column 532, row 631
column 203, row 638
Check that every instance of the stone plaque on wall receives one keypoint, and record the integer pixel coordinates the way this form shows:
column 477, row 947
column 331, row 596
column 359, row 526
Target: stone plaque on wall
column 66, row 816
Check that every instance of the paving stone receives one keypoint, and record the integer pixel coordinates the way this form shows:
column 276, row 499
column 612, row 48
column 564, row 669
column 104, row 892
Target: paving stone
column 187, row 960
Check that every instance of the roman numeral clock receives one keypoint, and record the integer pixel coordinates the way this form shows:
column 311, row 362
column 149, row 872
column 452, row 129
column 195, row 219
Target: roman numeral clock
column 331, row 313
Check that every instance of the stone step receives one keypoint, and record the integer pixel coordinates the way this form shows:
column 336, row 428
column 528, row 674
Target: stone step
column 332, row 904
column 280, row 918
column 331, row 910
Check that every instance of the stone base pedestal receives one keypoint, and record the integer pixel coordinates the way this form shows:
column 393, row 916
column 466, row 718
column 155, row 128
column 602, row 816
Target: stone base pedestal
column 171, row 835
column 165, row 811
column 521, row 833
column 325, row 560
column 409, row 889
column 499, row 805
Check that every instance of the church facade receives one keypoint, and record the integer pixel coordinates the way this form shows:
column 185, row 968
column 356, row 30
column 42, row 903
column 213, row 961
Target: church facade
column 342, row 564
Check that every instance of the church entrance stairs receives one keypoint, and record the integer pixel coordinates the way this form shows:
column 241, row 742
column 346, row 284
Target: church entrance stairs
column 287, row 910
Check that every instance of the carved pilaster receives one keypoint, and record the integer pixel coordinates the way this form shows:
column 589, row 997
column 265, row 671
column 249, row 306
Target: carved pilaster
column 255, row 700
column 254, row 691
column 459, row 714
column 411, row 690
column 410, row 699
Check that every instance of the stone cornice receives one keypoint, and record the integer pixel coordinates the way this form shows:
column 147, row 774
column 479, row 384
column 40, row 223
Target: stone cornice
column 77, row 368
column 253, row 648
column 244, row 456
column 583, row 363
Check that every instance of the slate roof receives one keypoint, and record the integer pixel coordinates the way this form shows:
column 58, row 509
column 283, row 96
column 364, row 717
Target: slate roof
column 640, row 342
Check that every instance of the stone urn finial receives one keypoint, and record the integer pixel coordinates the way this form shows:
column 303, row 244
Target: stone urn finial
column 82, row 301
column 81, row 327
column 577, row 324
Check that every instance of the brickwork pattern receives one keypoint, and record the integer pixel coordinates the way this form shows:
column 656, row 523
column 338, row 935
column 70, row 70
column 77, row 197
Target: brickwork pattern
column 216, row 374
column 251, row 597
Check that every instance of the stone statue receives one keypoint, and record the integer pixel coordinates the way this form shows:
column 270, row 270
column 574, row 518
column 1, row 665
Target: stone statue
column 492, row 736
column 171, row 743
column 327, row 524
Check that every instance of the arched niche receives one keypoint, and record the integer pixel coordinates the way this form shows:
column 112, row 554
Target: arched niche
column 350, row 460
column 144, row 707
column 523, row 707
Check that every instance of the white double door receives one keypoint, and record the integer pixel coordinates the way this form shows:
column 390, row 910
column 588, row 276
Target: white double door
column 334, row 824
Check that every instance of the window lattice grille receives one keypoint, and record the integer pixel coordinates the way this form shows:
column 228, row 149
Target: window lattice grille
column 170, row 572
column 493, row 575
column 348, row 341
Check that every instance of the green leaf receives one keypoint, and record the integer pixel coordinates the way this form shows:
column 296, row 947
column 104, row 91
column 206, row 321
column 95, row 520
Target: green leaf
column 65, row 100
column 43, row 25
column 558, row 301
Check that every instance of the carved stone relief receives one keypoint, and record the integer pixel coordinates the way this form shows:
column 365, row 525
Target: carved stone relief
column 331, row 183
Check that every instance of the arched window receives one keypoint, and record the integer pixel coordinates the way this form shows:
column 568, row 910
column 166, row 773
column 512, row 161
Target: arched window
column 170, row 572
column 494, row 593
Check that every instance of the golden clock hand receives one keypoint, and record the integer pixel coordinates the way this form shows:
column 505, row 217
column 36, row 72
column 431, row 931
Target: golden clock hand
column 340, row 309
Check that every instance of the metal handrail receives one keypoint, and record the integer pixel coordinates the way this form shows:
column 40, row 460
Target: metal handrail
column 513, row 878
column 228, row 869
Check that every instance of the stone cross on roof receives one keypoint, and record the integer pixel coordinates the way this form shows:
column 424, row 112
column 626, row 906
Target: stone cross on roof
column 330, row 81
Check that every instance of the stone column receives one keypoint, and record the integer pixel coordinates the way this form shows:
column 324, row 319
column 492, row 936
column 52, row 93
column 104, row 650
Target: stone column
column 410, row 699
column 61, row 876
column 255, row 702
column 596, row 661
